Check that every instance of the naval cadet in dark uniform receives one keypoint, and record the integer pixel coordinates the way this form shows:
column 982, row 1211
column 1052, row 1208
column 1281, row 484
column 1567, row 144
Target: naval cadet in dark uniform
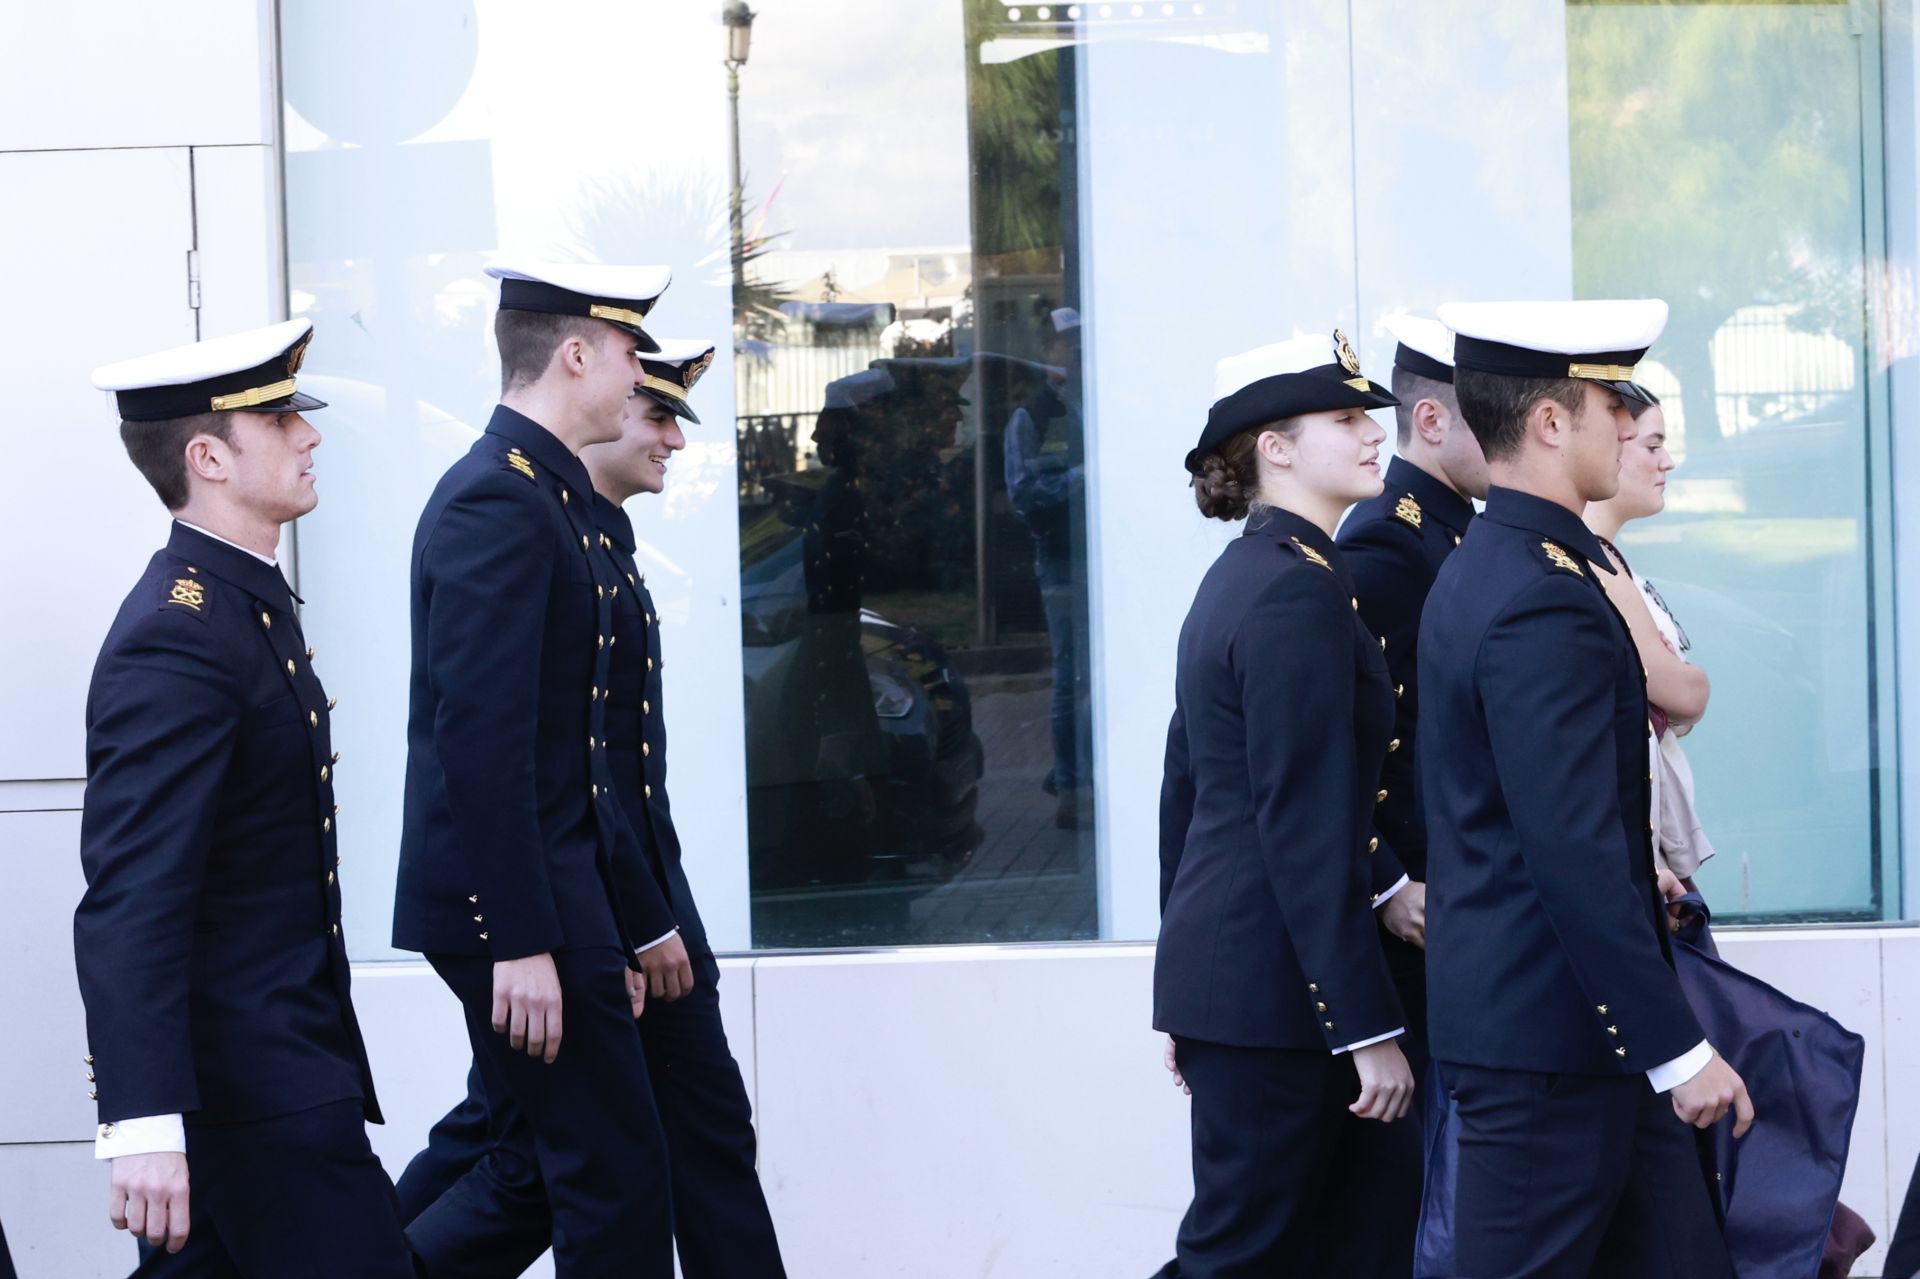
column 223, row 1043
column 1394, row 544
column 721, row 1224
column 519, row 876
column 1574, row 1061
column 1269, row 973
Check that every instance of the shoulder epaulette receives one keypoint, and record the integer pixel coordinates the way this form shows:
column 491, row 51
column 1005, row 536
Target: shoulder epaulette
column 517, row 460
column 1558, row 557
column 188, row 594
column 1407, row 509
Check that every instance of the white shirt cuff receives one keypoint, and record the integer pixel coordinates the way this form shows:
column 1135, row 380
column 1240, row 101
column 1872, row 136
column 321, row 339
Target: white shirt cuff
column 1670, row 1075
column 1381, row 898
column 641, row 950
column 150, row 1135
column 1377, row 1039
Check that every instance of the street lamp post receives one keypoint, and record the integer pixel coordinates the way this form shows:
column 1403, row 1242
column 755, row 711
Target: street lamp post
column 739, row 23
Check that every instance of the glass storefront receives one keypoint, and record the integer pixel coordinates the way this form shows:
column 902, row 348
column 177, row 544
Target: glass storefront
column 922, row 568
column 913, row 549
column 1726, row 157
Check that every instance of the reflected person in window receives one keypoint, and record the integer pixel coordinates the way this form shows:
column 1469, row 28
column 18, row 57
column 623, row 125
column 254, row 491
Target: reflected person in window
column 1045, row 449
column 720, row 1221
column 1269, row 974
column 224, row 1054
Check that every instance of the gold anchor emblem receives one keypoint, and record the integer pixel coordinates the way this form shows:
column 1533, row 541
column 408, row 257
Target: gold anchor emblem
column 1408, row 510
column 698, row 368
column 1562, row 560
column 1349, row 361
column 187, row 592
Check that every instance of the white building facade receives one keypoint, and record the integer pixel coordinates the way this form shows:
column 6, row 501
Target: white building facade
column 938, row 993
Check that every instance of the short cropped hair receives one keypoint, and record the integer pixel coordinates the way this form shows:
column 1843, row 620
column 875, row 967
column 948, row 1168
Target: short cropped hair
column 1496, row 406
column 1410, row 388
column 528, row 339
column 159, row 450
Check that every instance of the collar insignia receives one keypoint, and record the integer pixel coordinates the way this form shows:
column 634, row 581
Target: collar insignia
column 518, row 461
column 1407, row 509
column 1313, row 555
column 1561, row 559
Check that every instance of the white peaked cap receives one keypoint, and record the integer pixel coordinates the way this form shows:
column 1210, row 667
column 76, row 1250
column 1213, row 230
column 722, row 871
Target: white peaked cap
column 1560, row 328
column 679, row 350
column 198, row 361
column 1423, row 334
column 594, row 279
column 1297, row 354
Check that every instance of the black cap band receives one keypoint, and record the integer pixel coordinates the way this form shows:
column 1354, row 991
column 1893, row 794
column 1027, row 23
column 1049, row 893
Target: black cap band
column 267, row 387
column 1284, row 395
column 1420, row 364
column 551, row 299
column 1483, row 356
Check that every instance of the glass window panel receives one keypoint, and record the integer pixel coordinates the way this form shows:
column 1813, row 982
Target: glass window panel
column 1722, row 159
column 913, row 552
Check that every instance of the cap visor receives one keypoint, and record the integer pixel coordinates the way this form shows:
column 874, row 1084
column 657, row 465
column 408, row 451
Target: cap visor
column 678, row 408
column 298, row 402
column 1634, row 391
column 642, row 341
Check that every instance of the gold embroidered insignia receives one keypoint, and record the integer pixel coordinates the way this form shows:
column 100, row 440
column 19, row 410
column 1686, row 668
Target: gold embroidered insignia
column 298, row 356
column 697, row 368
column 1562, row 560
column 1344, row 350
column 518, row 462
column 1407, row 509
column 187, row 592
column 1313, row 555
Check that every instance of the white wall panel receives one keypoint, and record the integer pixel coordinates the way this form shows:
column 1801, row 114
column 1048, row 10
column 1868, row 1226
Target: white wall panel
column 1900, row 1045
column 42, row 1076
column 53, row 1200
column 100, row 243
column 122, row 73
column 237, row 218
column 968, row 1112
column 1461, row 167
column 1202, row 237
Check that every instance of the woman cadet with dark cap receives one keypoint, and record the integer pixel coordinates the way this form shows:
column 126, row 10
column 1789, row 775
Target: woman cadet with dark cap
column 1269, row 976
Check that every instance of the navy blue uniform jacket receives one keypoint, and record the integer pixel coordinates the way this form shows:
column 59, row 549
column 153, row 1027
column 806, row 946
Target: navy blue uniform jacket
column 513, row 842
column 1394, row 545
column 208, row 941
column 1547, row 947
column 637, row 729
column 1282, row 713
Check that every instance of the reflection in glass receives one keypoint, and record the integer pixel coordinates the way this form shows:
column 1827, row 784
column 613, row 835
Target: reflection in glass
column 913, row 549
column 1721, row 160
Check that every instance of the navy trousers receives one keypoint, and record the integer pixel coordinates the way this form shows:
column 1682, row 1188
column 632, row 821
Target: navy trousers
column 1579, row 1176
column 583, row 1127
column 1903, row 1254
column 1286, row 1182
column 299, row 1196
column 479, row 1207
